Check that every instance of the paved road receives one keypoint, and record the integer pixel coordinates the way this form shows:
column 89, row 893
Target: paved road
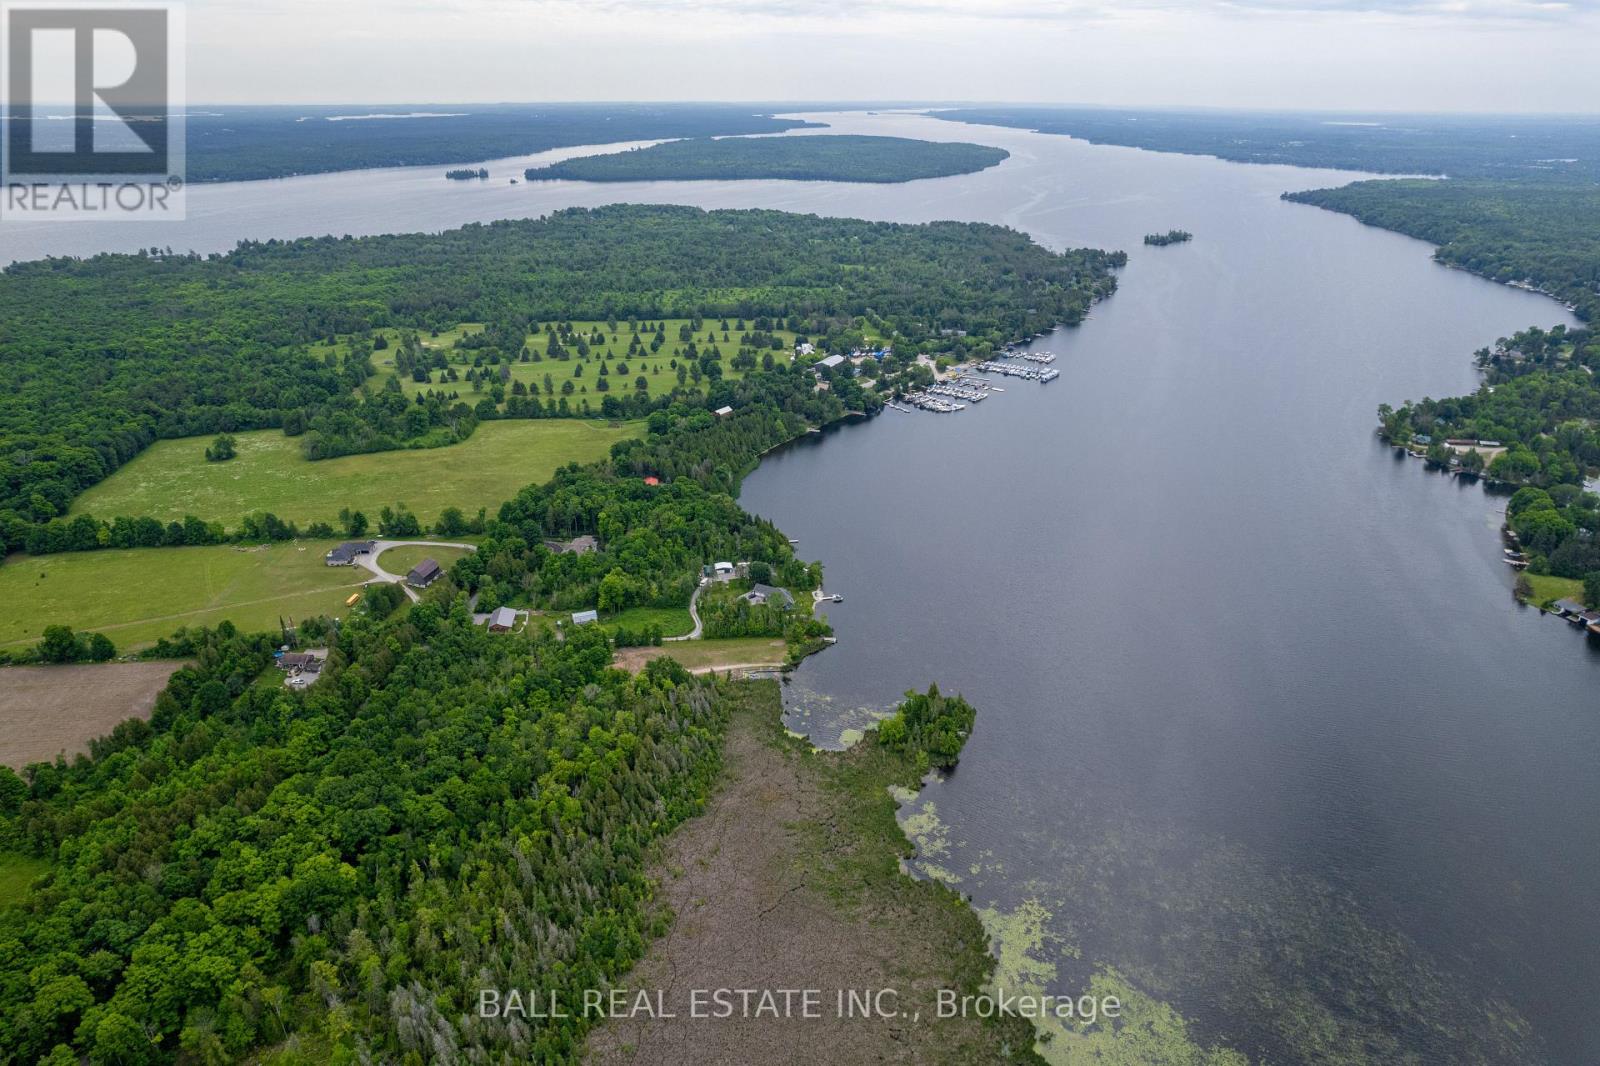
column 370, row 562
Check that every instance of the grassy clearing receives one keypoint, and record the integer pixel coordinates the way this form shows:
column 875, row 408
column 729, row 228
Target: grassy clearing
column 17, row 873
column 659, row 374
column 139, row 595
column 705, row 654
column 1547, row 588
column 674, row 621
column 172, row 479
column 401, row 560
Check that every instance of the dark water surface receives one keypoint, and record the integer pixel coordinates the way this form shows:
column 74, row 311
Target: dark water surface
column 1260, row 724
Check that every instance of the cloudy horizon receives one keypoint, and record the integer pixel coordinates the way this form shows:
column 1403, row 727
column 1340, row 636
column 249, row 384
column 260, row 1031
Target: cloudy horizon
column 1473, row 56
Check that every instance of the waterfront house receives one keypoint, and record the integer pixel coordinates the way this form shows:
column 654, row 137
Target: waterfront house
column 583, row 618
column 1569, row 608
column 424, row 574
column 1587, row 619
column 760, row 594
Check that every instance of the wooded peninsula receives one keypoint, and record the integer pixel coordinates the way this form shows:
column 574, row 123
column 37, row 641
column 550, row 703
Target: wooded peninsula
column 823, row 157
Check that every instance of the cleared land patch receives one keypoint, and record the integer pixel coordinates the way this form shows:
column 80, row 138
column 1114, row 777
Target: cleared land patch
column 46, row 710
column 701, row 655
column 171, row 478
column 141, row 594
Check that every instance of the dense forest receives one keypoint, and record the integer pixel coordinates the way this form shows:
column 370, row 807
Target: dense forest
column 245, row 143
column 824, row 157
column 330, row 875
column 1536, row 234
column 108, row 354
column 1524, row 148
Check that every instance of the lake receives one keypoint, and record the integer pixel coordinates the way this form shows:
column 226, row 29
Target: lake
column 1260, row 726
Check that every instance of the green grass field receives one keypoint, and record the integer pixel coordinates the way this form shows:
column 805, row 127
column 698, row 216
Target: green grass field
column 1547, row 588
column 674, row 621
column 139, row 595
column 659, row 375
column 17, row 873
column 171, row 478
column 401, row 560
column 695, row 654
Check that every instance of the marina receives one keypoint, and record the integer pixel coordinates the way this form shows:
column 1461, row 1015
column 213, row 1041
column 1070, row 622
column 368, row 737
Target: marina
column 962, row 388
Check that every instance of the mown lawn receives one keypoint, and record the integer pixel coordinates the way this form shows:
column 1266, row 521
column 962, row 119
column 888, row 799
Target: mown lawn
column 401, row 560
column 674, row 621
column 171, row 478
column 1547, row 588
column 17, row 872
column 719, row 653
column 138, row 595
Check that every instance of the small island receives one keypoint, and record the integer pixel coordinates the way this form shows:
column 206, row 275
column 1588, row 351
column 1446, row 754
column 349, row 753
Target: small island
column 1172, row 236
column 467, row 174
column 825, row 157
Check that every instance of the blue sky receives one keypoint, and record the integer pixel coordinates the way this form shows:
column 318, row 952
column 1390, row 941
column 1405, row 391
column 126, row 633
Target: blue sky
column 1436, row 55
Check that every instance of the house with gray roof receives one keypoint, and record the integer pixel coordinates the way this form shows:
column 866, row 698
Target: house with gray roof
column 769, row 594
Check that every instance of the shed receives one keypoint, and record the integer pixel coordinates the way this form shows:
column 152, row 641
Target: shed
column 831, row 361
column 583, row 618
column 424, row 574
column 504, row 619
column 723, row 412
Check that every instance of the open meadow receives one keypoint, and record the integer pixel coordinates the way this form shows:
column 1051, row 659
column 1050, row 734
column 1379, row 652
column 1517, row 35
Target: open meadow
column 138, row 595
column 172, row 478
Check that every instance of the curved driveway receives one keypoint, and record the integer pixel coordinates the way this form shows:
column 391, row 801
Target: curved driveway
column 369, row 561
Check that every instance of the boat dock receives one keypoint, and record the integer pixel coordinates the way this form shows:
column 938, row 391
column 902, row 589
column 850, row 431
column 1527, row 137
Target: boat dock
column 961, row 389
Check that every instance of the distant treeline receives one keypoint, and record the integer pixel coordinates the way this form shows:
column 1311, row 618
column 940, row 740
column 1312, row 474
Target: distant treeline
column 238, row 143
column 819, row 158
column 1524, row 148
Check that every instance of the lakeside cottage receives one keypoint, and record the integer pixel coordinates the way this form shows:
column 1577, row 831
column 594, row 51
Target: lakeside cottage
column 345, row 554
column 424, row 574
column 760, row 594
